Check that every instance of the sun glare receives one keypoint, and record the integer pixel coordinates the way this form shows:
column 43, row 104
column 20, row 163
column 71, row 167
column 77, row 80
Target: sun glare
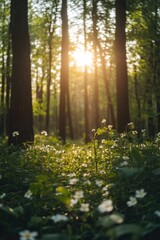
column 82, row 59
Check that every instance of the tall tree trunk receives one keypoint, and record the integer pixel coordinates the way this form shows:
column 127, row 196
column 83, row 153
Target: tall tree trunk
column 8, row 77
column 21, row 118
column 69, row 116
column 137, row 97
column 49, row 80
column 51, row 30
column 64, row 72
column 96, row 94
column 156, row 60
column 64, row 82
column 2, row 115
column 2, row 112
column 123, row 116
column 87, row 138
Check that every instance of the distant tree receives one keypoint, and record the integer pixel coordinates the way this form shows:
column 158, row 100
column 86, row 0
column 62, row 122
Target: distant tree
column 96, row 93
column 123, row 116
column 87, row 138
column 20, row 118
column 4, row 42
column 51, row 17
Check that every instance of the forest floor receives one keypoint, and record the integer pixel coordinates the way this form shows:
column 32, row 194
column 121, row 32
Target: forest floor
column 108, row 189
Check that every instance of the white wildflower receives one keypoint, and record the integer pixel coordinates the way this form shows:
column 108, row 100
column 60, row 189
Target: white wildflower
column 78, row 195
column 73, row 201
column 59, row 217
column 15, row 134
column 84, row 207
column 73, row 181
column 84, row 165
column 2, row 195
column 99, row 183
column 110, row 127
column 106, row 206
column 116, row 218
column 140, row 193
column 71, row 175
column 44, row 133
column 27, row 235
column 125, row 163
column 28, row 194
column 105, row 194
column 132, row 201
column 105, row 188
column 157, row 213
column 104, row 121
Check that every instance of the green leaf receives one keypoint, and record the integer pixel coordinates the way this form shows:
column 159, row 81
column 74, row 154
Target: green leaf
column 101, row 131
column 129, row 171
column 124, row 229
column 156, row 171
column 135, row 154
column 18, row 211
column 110, row 220
column 35, row 220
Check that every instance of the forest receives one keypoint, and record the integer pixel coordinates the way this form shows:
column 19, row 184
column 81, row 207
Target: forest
column 80, row 120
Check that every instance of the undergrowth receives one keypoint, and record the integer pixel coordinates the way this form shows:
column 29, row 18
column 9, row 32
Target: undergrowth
column 108, row 189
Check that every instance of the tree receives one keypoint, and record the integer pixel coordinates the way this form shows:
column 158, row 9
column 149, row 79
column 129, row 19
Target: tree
column 87, row 138
column 20, row 118
column 123, row 116
column 64, row 81
column 96, row 93
column 51, row 30
column 4, row 53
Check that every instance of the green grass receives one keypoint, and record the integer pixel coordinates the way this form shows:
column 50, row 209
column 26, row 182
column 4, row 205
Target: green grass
column 73, row 180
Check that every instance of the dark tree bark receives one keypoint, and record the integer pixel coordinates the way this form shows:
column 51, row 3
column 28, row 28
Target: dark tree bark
column 123, row 116
column 2, row 112
column 139, row 125
column 20, row 118
column 51, row 31
column 49, row 79
column 96, row 94
column 64, row 82
column 2, row 115
column 8, row 78
column 64, row 72
column 87, row 138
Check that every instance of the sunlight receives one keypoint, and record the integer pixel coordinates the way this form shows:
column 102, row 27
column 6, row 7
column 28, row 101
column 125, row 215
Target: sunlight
column 82, row 59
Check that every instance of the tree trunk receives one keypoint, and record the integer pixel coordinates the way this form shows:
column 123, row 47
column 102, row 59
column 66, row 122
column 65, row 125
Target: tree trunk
column 64, row 72
column 21, row 118
column 2, row 112
column 87, row 138
column 49, row 80
column 123, row 116
column 8, row 78
column 137, row 97
column 96, row 94
column 64, row 82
